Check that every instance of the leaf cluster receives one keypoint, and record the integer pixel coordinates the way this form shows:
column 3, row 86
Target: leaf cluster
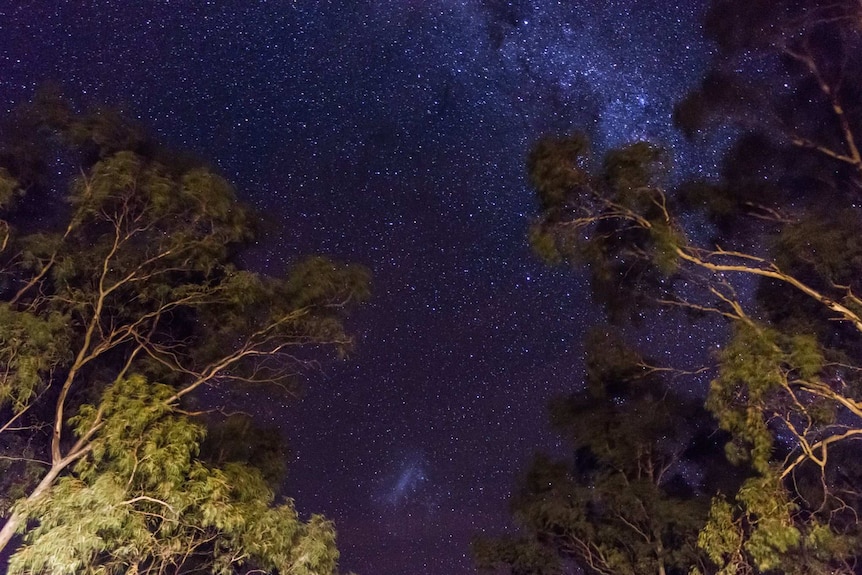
column 763, row 530
column 30, row 347
column 630, row 499
column 143, row 501
column 615, row 220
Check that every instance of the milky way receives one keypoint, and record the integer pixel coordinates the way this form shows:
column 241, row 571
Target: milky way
column 392, row 133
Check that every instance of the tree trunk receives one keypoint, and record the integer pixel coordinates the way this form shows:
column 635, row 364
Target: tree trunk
column 13, row 522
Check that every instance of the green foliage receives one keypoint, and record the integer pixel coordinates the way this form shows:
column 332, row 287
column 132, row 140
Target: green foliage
column 134, row 277
column 621, row 504
column 720, row 538
column 750, row 368
column 544, row 244
column 666, row 240
column 635, row 168
column 237, row 440
column 558, row 166
column 782, row 267
column 763, row 530
column 197, row 208
column 317, row 280
column 615, row 221
column 30, row 348
column 805, row 355
column 765, row 499
column 142, row 500
column 757, row 367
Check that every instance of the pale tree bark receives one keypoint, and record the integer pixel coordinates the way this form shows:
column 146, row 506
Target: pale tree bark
column 267, row 348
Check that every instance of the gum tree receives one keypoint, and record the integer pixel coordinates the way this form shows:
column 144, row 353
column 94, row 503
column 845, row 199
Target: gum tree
column 634, row 491
column 121, row 298
column 781, row 267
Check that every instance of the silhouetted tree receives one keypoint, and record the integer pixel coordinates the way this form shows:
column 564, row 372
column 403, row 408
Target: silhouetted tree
column 635, row 492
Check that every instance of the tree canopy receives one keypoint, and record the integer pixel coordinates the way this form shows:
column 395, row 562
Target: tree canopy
column 122, row 296
column 635, row 491
column 777, row 267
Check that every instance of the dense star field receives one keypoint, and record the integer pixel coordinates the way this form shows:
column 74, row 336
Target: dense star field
column 394, row 134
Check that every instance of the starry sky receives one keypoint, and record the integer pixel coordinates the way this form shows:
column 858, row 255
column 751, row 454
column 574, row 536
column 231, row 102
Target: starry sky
column 393, row 133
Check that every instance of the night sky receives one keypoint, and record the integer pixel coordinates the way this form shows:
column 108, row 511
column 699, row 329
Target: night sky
column 393, row 133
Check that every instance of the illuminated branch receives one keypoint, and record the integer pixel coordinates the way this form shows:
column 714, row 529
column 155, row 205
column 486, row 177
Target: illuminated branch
column 852, row 156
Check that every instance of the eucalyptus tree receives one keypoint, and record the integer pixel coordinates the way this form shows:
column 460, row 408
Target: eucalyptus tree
column 122, row 297
column 782, row 267
column 635, row 488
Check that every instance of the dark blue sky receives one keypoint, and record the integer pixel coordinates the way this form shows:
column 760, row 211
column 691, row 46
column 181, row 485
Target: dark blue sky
column 392, row 133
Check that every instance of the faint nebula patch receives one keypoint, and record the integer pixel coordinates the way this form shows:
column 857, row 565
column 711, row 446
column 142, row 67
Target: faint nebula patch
column 406, row 482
